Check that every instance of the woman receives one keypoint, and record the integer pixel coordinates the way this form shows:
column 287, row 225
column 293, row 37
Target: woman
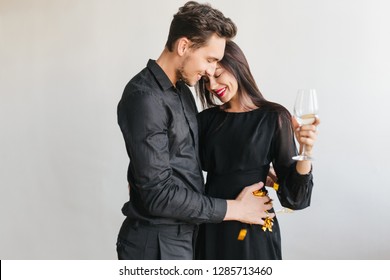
column 241, row 134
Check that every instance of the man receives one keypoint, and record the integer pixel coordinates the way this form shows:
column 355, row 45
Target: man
column 157, row 116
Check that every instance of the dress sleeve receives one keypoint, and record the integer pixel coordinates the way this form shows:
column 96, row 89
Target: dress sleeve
column 294, row 189
column 144, row 123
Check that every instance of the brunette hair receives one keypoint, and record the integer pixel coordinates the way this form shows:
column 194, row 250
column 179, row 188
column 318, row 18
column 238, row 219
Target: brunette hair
column 234, row 61
column 198, row 22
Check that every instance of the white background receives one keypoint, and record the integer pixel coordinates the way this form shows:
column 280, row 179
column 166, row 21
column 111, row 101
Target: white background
column 199, row 270
column 63, row 67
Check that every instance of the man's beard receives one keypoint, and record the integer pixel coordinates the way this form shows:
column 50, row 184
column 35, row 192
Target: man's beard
column 181, row 76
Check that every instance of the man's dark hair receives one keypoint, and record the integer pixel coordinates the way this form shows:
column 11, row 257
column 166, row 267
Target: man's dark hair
column 198, row 22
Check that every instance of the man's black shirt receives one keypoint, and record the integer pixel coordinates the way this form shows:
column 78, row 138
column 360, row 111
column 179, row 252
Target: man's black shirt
column 159, row 126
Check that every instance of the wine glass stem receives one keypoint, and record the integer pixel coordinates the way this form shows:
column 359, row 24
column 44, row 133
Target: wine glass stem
column 303, row 150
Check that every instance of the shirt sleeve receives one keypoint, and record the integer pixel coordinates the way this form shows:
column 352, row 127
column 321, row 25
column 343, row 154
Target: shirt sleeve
column 294, row 189
column 144, row 124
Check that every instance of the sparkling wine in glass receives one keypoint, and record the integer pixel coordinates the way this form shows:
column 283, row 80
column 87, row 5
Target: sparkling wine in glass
column 305, row 112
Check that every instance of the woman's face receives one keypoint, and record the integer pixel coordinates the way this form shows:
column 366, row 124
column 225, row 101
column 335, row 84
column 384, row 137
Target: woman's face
column 223, row 85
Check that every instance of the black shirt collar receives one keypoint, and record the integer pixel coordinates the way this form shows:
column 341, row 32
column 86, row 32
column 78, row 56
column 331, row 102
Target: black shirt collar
column 162, row 78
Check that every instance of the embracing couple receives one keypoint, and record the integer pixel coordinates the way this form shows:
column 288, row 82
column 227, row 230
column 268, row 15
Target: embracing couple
column 172, row 213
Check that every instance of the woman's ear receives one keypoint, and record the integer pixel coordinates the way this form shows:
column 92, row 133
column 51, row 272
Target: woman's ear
column 183, row 44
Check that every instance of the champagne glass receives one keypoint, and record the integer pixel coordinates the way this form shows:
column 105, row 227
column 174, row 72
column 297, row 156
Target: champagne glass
column 305, row 112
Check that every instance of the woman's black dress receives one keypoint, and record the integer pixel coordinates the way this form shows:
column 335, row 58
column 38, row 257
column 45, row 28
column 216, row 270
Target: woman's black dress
column 236, row 150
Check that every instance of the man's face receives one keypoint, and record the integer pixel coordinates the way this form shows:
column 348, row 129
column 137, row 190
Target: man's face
column 202, row 61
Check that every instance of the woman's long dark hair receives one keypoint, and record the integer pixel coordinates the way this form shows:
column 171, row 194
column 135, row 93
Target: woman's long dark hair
column 234, row 61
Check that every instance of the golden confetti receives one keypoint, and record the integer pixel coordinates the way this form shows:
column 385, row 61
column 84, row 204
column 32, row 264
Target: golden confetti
column 268, row 223
column 276, row 186
column 260, row 193
column 242, row 234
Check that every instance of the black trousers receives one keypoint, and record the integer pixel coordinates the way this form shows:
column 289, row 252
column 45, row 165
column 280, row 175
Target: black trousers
column 139, row 241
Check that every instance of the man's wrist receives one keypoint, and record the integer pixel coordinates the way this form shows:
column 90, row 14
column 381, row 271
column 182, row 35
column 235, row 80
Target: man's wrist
column 231, row 210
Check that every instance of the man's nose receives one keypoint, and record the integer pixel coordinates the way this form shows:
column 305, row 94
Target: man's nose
column 211, row 69
column 212, row 83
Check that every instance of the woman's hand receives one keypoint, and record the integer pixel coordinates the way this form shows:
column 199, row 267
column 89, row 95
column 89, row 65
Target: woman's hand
column 306, row 135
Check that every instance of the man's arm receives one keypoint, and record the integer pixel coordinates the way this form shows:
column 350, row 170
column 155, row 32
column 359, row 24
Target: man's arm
column 144, row 125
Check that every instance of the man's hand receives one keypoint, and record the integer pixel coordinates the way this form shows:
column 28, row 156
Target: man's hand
column 248, row 208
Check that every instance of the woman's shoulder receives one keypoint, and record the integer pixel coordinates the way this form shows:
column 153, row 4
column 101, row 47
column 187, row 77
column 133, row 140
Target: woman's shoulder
column 206, row 116
column 276, row 109
column 279, row 115
column 208, row 112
